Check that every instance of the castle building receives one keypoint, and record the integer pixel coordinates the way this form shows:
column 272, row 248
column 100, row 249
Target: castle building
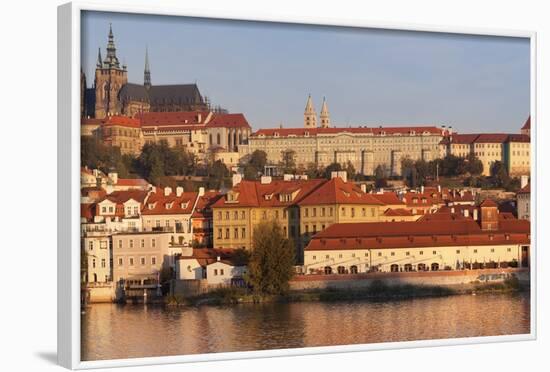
column 112, row 94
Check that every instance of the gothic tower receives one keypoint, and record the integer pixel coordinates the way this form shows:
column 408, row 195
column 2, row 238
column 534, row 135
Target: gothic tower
column 310, row 117
column 110, row 76
column 147, row 71
column 325, row 116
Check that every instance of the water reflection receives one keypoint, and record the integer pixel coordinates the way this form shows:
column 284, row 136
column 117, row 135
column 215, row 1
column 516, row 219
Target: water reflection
column 114, row 331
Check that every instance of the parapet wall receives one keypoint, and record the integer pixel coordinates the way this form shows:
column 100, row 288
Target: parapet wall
column 428, row 278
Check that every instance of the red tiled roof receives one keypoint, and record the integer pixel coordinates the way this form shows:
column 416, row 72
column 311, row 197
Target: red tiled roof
column 336, row 191
column 120, row 197
column 87, row 211
column 177, row 118
column 527, row 124
column 463, row 138
column 207, row 256
column 158, row 203
column 491, row 138
column 418, row 234
column 388, row 198
column 285, row 132
column 132, row 182
column 122, row 121
column 519, row 138
column 228, row 121
column 526, row 189
column 204, row 204
column 488, row 203
column 256, row 194
column 397, row 212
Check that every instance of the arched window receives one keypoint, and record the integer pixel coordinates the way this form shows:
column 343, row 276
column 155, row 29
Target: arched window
column 328, row 270
column 341, row 270
column 408, row 267
column 353, row 269
column 95, row 278
column 435, row 266
column 421, row 267
column 394, row 268
column 218, row 138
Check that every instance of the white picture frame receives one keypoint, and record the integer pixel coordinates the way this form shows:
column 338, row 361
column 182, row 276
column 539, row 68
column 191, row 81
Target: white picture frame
column 69, row 38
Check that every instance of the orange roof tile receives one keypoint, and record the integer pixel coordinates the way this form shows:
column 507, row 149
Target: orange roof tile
column 336, row 191
column 158, row 203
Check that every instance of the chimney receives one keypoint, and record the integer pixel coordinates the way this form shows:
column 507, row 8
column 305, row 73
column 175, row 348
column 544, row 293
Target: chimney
column 199, row 117
column 113, row 176
column 218, row 258
column 439, row 189
column 341, row 174
column 167, row 191
column 179, row 191
column 475, row 214
column 422, row 189
column 466, row 213
column 237, row 178
column 364, row 187
column 524, row 181
column 201, row 191
column 265, row 180
column 452, row 210
column 288, row 177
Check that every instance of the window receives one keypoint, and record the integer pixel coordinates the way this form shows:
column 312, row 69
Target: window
column 264, row 215
column 103, row 263
column 153, row 260
column 120, row 244
column 352, row 212
column 103, row 244
column 236, row 215
column 131, row 243
column 306, row 212
column 492, row 250
column 91, row 245
column 458, row 251
column 434, row 252
column 314, row 257
column 153, row 243
column 327, row 256
column 509, row 249
column 142, row 243
column 131, row 261
column 219, row 233
column 227, row 233
column 330, row 212
column 215, row 271
column 219, row 215
column 93, row 263
column 120, row 261
column 323, row 212
column 236, row 233
column 221, row 271
column 421, row 253
column 379, row 254
column 227, row 215
column 475, row 250
column 243, row 233
column 314, row 229
column 408, row 253
column 393, row 253
column 142, row 261
column 343, row 211
column 307, row 229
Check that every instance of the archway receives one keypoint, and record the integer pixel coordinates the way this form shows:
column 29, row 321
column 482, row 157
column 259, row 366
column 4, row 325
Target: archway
column 421, row 267
column 341, row 270
column 435, row 266
column 353, row 269
column 408, row 267
column 394, row 268
column 328, row 270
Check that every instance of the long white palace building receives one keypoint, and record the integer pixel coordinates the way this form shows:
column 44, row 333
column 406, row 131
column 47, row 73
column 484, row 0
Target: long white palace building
column 365, row 147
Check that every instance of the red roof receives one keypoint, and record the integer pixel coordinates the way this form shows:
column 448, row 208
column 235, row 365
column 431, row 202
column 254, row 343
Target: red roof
column 519, row 138
column 459, row 232
column 527, row 124
column 256, row 194
column 120, row 197
column 207, row 256
column 492, row 138
column 228, row 121
column 388, row 198
column 132, row 182
column 158, row 203
column 463, row 138
column 285, row 132
column 397, row 212
column 204, row 204
column 176, row 118
column 87, row 211
column 488, row 203
column 122, row 121
column 525, row 190
column 336, row 191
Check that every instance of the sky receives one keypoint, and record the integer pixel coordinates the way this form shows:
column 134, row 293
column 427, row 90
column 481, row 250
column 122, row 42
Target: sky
column 368, row 76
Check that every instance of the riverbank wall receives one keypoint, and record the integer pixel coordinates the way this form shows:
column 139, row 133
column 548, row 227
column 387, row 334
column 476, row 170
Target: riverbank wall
column 100, row 292
column 444, row 279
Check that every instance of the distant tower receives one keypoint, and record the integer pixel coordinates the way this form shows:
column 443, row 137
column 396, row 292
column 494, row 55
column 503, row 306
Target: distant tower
column 310, row 117
column 147, row 72
column 109, row 78
column 325, row 116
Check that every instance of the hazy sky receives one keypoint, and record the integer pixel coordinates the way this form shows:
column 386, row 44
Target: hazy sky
column 369, row 77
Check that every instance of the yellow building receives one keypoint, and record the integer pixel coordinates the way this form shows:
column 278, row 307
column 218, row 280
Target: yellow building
column 122, row 132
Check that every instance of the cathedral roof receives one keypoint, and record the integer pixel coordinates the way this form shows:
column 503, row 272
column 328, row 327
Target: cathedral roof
column 161, row 94
column 133, row 92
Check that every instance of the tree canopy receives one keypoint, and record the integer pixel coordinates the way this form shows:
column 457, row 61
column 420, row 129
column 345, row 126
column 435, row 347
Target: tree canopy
column 271, row 263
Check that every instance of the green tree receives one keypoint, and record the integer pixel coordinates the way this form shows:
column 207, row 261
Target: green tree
column 217, row 175
column 258, row 159
column 289, row 162
column 334, row 167
column 350, row 170
column 312, row 171
column 499, row 173
column 473, row 165
column 271, row 263
column 380, row 176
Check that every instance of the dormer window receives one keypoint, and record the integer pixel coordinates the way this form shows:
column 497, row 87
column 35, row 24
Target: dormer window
column 268, row 196
column 151, row 206
column 285, row 197
column 232, row 197
column 169, row 205
column 184, row 205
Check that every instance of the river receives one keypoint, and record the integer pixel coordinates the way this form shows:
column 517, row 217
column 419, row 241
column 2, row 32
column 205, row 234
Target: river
column 111, row 331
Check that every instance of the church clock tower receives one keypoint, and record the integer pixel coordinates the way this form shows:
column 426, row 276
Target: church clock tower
column 310, row 117
column 110, row 76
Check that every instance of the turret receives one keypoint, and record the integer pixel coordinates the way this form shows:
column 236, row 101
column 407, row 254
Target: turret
column 310, row 116
column 147, row 71
column 325, row 116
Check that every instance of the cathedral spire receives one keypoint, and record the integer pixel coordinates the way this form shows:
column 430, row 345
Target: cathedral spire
column 310, row 117
column 147, row 71
column 111, row 59
column 99, row 59
column 324, row 116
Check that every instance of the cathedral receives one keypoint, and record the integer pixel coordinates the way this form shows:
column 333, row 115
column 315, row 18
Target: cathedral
column 112, row 94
